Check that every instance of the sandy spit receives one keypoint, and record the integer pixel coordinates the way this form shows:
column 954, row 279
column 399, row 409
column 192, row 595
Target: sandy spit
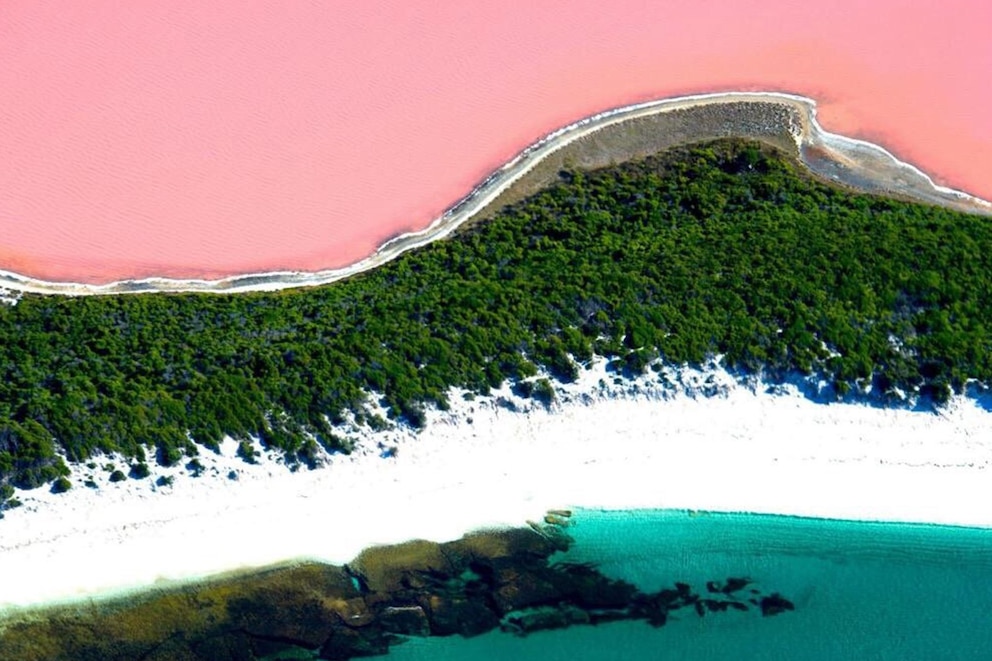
column 684, row 439
column 856, row 163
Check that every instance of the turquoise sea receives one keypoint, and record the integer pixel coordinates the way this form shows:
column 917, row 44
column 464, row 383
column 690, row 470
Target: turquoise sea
column 862, row 591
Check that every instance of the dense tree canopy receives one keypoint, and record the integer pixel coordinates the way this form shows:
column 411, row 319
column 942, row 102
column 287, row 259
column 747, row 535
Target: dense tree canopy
column 723, row 248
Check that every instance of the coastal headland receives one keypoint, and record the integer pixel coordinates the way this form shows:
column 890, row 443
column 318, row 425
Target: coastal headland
column 782, row 120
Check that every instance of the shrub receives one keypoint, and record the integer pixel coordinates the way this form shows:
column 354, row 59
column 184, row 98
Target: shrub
column 247, row 452
column 118, row 476
column 61, row 485
column 523, row 389
column 168, row 455
column 544, row 392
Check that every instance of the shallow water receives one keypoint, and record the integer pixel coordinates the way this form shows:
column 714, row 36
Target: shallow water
column 861, row 590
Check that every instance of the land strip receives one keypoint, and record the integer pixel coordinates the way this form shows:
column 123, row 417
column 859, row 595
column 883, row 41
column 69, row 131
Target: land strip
column 623, row 134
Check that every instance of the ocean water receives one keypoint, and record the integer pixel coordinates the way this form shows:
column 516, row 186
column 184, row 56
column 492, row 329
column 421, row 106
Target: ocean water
column 865, row 591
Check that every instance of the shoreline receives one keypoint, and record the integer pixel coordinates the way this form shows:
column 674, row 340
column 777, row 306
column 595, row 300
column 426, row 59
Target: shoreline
column 482, row 466
column 845, row 161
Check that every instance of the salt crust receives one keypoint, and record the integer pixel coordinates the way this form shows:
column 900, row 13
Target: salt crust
column 684, row 438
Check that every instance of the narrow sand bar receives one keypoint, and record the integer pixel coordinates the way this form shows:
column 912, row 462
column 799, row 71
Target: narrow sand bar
column 708, row 443
column 782, row 119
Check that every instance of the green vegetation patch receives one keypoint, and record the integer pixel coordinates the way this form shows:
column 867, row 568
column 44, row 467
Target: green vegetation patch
column 727, row 248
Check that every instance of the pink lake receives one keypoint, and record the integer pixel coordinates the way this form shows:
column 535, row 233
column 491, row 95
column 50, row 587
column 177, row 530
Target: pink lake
column 201, row 139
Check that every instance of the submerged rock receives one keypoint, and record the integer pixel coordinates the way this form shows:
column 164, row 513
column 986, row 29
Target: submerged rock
column 774, row 604
column 541, row 619
column 715, row 605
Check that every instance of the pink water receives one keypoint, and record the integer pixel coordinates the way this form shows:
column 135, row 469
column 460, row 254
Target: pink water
column 212, row 138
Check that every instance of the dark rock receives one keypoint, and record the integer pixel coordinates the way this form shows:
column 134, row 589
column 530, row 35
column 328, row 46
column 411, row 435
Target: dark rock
column 667, row 597
column 274, row 649
column 349, row 644
column 600, row 616
column 541, row 619
column 458, row 615
column 307, row 623
column 775, row 604
column 354, row 612
column 658, row 618
column 735, row 584
column 715, row 605
column 577, row 615
column 405, row 620
column 585, row 586
column 522, row 590
column 732, row 585
column 233, row 645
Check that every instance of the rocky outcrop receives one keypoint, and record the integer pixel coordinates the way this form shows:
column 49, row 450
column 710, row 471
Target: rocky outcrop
column 505, row 580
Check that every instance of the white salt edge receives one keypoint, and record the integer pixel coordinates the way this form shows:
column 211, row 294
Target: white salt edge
column 636, row 445
column 859, row 156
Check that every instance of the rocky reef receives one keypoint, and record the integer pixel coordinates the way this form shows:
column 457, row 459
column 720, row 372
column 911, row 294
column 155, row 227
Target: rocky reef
column 508, row 580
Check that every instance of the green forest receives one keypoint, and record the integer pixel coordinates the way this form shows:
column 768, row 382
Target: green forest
column 725, row 248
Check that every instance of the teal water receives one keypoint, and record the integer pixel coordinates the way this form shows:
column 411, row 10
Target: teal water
column 861, row 590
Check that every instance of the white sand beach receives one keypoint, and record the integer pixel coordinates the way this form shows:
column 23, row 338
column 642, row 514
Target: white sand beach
column 707, row 442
